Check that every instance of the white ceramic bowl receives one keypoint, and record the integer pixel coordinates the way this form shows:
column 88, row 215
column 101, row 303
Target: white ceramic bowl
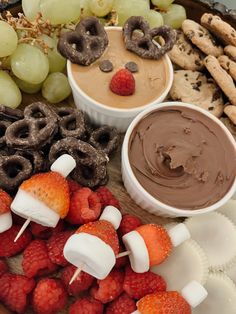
column 141, row 196
column 101, row 114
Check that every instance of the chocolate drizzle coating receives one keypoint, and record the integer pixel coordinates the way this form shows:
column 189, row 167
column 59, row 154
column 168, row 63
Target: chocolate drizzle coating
column 86, row 44
column 144, row 46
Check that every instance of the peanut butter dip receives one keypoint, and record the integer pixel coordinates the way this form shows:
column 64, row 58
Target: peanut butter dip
column 182, row 158
column 151, row 80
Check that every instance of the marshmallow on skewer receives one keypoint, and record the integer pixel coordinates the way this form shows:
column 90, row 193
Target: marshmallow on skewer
column 5, row 211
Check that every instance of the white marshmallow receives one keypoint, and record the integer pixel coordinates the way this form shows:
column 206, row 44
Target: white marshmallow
column 63, row 165
column 27, row 206
column 91, row 254
column 139, row 258
column 194, row 293
column 113, row 215
column 5, row 221
column 179, row 234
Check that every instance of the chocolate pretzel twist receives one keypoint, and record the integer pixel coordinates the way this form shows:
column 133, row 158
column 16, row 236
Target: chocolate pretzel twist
column 86, row 43
column 145, row 46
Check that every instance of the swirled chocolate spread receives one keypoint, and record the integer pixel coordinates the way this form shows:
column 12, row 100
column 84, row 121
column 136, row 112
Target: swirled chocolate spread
column 182, row 158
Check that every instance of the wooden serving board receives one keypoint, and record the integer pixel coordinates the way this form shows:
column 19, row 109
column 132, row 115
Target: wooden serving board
column 195, row 8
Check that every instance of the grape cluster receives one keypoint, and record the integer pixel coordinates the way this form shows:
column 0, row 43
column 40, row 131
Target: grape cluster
column 29, row 60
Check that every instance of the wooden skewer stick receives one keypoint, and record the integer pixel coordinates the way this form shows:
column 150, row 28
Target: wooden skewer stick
column 25, row 225
column 123, row 254
column 76, row 274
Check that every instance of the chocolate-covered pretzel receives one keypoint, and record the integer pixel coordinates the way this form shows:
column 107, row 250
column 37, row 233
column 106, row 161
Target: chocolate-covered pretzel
column 144, row 46
column 86, row 43
column 3, row 127
column 105, row 139
column 13, row 171
column 90, row 163
column 10, row 114
column 71, row 122
column 35, row 130
column 36, row 158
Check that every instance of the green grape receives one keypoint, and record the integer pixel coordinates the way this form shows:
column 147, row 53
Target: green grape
column 175, row 16
column 56, row 61
column 85, row 9
column 162, row 4
column 28, row 87
column 128, row 8
column 30, row 8
column 60, row 12
column 9, row 39
column 10, row 94
column 56, row 87
column 101, row 8
column 29, row 64
column 154, row 19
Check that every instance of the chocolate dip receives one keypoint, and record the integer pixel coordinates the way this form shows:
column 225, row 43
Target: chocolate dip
column 151, row 80
column 182, row 158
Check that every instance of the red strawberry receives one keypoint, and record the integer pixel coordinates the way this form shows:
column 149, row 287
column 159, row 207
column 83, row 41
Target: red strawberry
column 73, row 186
column 164, row 302
column 5, row 202
column 51, row 189
column 107, row 198
column 85, row 207
column 123, row 83
column 3, row 267
column 104, row 231
column 49, row 296
column 56, row 245
column 128, row 223
column 121, row 261
column 86, row 305
column 82, row 282
column 36, row 261
column 14, row 291
column 139, row 285
column 158, row 242
column 122, row 305
column 43, row 232
column 109, row 288
column 10, row 248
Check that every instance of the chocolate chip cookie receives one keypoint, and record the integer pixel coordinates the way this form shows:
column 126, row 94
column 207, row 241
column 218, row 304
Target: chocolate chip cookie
column 195, row 88
column 201, row 38
column 222, row 78
column 230, row 51
column 185, row 55
column 224, row 31
column 228, row 65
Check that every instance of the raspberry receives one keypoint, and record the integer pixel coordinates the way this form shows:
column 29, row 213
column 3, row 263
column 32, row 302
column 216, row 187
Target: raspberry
column 122, row 305
column 86, row 305
column 5, row 202
column 43, row 232
column 157, row 241
column 49, row 296
column 85, row 207
column 121, row 261
column 36, row 261
column 128, row 223
column 73, row 186
column 14, row 291
column 3, row 267
column 123, row 83
column 139, row 285
column 56, row 245
column 17, row 220
column 107, row 198
column 104, row 231
column 82, row 282
column 109, row 288
column 10, row 248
